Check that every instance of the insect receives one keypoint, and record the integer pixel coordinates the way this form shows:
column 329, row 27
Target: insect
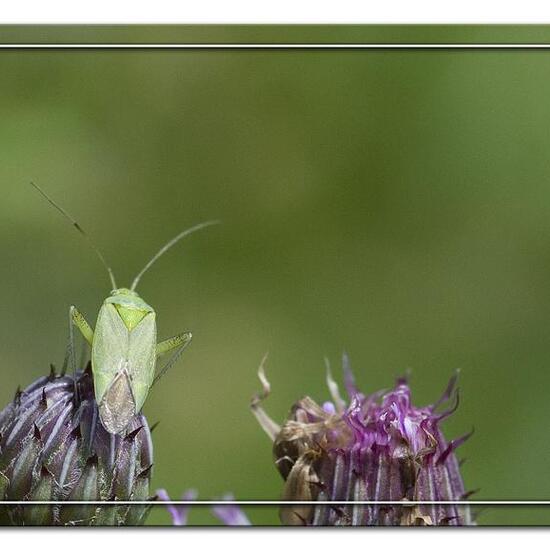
column 124, row 343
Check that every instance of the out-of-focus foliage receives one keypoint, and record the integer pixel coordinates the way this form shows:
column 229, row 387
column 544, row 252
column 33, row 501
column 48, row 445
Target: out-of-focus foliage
column 394, row 203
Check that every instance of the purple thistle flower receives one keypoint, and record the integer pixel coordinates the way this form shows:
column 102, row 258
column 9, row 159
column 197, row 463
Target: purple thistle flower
column 228, row 514
column 179, row 512
column 379, row 447
column 54, row 447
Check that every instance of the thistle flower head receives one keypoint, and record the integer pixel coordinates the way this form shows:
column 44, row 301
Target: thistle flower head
column 377, row 447
column 53, row 447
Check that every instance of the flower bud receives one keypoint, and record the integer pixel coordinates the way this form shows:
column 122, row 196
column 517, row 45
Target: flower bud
column 53, row 447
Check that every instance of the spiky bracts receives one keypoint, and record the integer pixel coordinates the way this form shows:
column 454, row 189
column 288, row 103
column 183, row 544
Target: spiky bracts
column 378, row 447
column 53, row 447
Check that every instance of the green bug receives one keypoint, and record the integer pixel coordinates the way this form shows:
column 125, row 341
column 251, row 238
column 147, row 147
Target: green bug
column 124, row 344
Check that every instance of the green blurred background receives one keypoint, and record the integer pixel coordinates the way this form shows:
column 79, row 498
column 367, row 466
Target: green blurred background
column 395, row 204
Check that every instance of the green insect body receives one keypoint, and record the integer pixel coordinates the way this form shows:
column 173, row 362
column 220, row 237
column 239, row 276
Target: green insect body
column 123, row 355
column 124, row 343
column 124, row 351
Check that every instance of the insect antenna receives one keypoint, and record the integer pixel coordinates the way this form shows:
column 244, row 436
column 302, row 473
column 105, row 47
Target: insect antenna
column 81, row 231
column 169, row 245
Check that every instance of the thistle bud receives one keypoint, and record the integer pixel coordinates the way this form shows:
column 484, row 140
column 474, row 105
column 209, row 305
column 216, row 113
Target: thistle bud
column 53, row 447
column 379, row 447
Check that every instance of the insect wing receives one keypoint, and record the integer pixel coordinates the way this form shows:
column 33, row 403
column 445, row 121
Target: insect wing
column 109, row 349
column 142, row 357
column 118, row 406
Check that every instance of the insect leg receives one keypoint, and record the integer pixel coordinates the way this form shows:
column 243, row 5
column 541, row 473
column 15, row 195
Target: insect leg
column 80, row 322
column 76, row 319
column 83, row 354
column 177, row 343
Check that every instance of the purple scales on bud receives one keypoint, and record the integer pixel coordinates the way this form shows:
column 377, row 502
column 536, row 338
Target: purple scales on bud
column 380, row 447
column 53, row 447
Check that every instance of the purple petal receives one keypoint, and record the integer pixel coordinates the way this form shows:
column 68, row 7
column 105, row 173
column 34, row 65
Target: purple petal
column 349, row 379
column 453, row 445
column 179, row 512
column 230, row 514
column 450, row 410
column 448, row 391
